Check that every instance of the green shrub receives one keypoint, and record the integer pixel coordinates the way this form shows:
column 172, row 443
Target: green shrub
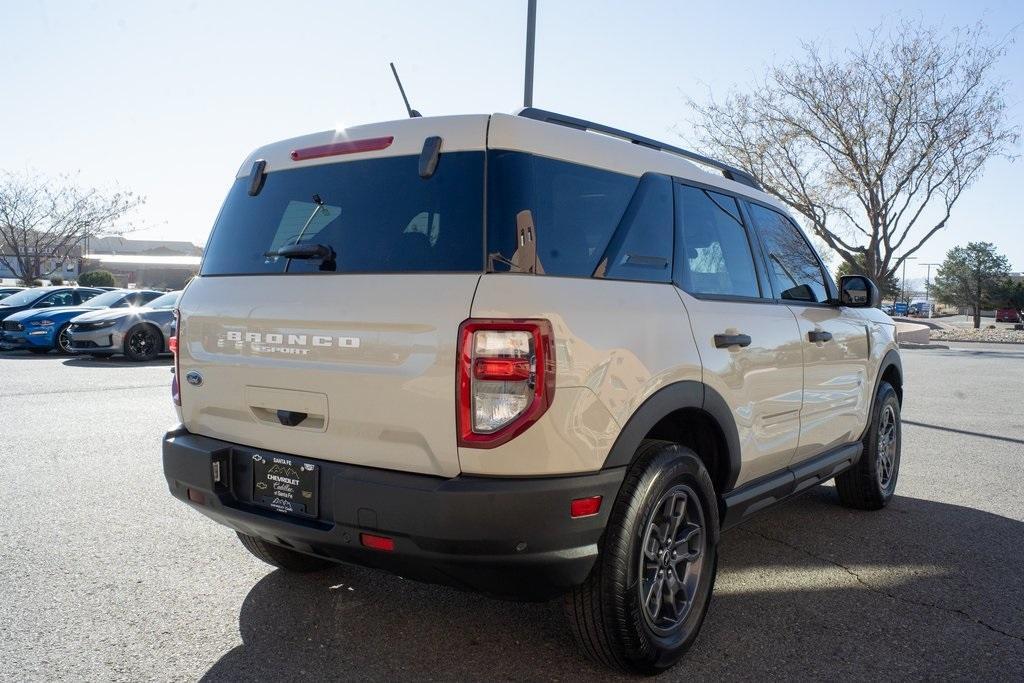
column 56, row 280
column 97, row 278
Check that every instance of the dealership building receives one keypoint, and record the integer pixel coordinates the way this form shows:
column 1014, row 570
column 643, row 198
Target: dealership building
column 157, row 264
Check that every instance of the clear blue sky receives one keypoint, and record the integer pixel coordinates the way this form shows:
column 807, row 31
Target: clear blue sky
column 167, row 98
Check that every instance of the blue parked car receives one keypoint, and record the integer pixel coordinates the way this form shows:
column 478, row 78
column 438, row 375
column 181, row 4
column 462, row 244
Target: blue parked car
column 45, row 297
column 41, row 330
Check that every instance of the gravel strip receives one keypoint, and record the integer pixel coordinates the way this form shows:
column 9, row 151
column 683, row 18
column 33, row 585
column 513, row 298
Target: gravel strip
column 994, row 335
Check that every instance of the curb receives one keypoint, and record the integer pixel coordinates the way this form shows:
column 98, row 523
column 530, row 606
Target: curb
column 914, row 345
column 979, row 341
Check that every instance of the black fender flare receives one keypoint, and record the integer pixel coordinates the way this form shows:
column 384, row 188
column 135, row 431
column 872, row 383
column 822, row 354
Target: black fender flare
column 891, row 359
column 677, row 396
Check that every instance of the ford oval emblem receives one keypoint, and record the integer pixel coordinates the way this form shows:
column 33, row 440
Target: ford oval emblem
column 194, row 378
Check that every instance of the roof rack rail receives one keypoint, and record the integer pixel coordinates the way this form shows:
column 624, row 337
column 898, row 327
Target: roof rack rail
column 730, row 172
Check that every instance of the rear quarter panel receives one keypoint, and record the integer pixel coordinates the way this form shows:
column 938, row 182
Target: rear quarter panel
column 616, row 343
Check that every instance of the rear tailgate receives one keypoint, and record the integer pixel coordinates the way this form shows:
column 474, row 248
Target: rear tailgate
column 370, row 359
column 345, row 353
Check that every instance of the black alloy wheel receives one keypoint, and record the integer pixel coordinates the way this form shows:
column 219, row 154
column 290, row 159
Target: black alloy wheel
column 142, row 343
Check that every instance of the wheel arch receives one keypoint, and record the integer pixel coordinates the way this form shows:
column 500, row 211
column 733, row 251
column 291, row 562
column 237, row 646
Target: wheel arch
column 691, row 413
column 891, row 370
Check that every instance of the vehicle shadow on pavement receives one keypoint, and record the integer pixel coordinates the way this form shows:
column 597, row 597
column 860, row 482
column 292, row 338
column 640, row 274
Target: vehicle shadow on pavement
column 809, row 590
column 88, row 362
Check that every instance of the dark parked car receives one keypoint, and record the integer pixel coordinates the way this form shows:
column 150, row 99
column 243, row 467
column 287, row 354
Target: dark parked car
column 46, row 297
column 7, row 291
column 1008, row 315
column 139, row 333
column 44, row 329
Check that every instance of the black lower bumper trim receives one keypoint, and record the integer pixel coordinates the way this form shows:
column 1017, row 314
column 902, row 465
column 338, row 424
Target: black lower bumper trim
column 503, row 536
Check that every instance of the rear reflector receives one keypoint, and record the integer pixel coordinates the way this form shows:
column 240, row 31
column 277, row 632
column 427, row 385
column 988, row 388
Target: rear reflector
column 377, row 542
column 172, row 344
column 585, row 507
column 196, row 497
column 347, row 147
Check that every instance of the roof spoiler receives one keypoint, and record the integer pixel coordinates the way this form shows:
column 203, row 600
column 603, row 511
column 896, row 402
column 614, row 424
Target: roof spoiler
column 730, row 172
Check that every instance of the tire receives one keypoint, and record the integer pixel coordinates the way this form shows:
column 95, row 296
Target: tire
column 871, row 483
column 607, row 614
column 281, row 557
column 61, row 342
column 143, row 343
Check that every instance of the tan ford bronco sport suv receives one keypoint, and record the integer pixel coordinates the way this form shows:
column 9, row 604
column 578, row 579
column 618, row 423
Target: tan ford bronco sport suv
column 523, row 354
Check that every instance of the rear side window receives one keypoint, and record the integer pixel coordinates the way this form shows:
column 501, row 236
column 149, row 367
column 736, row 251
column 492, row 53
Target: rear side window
column 794, row 267
column 377, row 215
column 714, row 256
column 574, row 210
column 641, row 248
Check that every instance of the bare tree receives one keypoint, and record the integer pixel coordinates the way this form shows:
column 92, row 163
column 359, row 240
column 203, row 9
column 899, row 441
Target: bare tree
column 873, row 146
column 43, row 220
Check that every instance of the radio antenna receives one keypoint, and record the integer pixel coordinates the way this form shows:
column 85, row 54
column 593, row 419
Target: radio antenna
column 531, row 41
column 412, row 112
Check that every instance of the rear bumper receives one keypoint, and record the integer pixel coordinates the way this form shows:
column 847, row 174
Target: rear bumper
column 507, row 537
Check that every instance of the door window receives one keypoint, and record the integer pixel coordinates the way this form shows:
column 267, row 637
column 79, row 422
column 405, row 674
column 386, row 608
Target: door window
column 57, row 299
column 713, row 250
column 794, row 267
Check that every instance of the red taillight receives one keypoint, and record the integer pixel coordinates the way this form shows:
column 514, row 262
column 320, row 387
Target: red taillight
column 501, row 369
column 172, row 344
column 377, row 542
column 585, row 507
column 346, row 147
column 506, row 379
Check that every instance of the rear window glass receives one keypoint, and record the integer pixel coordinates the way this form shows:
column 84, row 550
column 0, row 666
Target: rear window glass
column 641, row 248
column 574, row 209
column 165, row 301
column 377, row 215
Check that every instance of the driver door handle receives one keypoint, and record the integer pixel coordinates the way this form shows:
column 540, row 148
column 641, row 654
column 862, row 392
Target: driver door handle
column 818, row 336
column 724, row 341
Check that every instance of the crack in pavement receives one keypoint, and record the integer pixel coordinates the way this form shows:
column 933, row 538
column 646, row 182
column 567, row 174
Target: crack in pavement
column 882, row 591
column 90, row 390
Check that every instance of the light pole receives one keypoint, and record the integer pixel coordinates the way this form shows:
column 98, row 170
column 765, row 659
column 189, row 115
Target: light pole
column 531, row 34
column 928, row 286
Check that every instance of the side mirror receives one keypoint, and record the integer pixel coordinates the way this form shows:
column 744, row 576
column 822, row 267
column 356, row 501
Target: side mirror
column 858, row 291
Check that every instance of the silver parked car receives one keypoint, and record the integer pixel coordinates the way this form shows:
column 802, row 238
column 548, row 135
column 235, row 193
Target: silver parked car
column 139, row 333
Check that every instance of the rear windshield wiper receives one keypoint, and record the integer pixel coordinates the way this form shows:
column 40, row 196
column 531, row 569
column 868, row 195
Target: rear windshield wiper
column 307, row 251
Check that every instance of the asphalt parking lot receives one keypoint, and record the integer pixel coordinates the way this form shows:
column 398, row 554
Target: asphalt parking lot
column 106, row 577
